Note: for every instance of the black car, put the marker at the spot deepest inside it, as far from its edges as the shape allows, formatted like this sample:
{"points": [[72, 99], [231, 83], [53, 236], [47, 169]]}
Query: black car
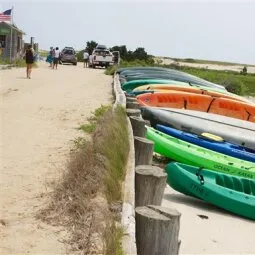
{"points": [[68, 55]]}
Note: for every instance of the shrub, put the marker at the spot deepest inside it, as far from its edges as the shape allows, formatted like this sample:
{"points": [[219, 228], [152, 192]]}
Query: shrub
{"points": [[235, 86]]}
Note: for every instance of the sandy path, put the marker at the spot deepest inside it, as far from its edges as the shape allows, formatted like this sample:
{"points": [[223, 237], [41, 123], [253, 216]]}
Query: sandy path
{"points": [[39, 118]]}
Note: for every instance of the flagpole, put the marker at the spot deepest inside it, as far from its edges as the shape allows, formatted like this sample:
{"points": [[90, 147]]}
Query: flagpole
{"points": [[11, 35]]}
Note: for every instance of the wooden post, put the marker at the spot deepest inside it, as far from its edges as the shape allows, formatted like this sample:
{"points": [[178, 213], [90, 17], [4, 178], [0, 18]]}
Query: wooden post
{"points": [[131, 99], [133, 112], [157, 230], [138, 126], [143, 151], [132, 105], [150, 183]]}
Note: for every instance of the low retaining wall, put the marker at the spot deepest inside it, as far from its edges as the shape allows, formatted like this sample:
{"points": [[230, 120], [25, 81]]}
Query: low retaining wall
{"points": [[149, 228], [128, 213]]}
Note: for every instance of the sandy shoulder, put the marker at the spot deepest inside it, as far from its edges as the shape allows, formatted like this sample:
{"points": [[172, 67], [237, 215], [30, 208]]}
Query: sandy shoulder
{"points": [[222, 233], [39, 118]]}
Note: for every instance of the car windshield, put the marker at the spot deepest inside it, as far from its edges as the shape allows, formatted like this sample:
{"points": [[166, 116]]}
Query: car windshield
{"points": [[68, 52]]}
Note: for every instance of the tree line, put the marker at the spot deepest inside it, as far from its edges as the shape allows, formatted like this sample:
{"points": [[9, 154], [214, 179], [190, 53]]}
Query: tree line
{"points": [[125, 55]]}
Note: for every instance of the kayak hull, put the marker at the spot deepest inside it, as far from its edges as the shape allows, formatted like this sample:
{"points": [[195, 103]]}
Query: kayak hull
{"points": [[236, 195], [226, 148], [191, 154], [231, 130], [198, 102]]}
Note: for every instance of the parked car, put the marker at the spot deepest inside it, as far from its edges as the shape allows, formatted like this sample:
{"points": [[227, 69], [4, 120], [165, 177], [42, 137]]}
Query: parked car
{"points": [[68, 55], [101, 47], [100, 57]]}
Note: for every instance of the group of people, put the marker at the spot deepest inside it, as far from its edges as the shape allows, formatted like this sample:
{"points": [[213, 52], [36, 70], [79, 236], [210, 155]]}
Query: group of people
{"points": [[53, 57]]}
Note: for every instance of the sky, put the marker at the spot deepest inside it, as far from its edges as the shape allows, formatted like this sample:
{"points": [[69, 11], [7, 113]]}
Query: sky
{"points": [[213, 30]]}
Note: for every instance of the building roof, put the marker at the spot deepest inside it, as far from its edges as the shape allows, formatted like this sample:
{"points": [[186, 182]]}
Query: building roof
{"points": [[12, 26]]}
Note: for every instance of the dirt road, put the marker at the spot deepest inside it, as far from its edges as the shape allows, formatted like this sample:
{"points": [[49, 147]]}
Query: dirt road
{"points": [[39, 120]]}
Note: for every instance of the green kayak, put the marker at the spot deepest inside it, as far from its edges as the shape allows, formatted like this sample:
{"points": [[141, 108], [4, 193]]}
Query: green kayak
{"points": [[234, 194], [195, 155], [130, 85]]}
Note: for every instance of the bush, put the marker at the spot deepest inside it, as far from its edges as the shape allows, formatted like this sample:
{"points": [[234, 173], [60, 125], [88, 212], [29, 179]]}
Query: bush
{"points": [[80, 56], [235, 86]]}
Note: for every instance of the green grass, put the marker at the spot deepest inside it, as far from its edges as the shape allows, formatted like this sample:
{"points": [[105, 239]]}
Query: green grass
{"points": [[113, 241], [16, 63], [94, 118], [112, 142], [43, 53], [92, 184], [225, 78], [88, 128]]}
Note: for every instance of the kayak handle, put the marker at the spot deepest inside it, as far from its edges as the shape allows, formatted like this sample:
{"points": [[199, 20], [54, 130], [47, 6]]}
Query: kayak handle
{"points": [[200, 177]]}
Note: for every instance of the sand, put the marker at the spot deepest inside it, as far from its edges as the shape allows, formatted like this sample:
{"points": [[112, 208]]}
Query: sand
{"points": [[39, 120], [236, 68], [222, 233]]}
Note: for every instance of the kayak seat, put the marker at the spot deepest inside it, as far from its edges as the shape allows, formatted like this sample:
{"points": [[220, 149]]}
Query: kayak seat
{"points": [[238, 184]]}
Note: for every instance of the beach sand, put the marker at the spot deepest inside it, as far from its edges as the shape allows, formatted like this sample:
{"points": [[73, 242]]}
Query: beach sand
{"points": [[222, 233], [39, 121]]}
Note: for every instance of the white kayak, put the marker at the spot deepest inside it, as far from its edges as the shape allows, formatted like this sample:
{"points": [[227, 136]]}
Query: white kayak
{"points": [[232, 130]]}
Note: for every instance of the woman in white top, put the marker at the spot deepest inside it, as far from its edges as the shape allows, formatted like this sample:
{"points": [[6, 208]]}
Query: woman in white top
{"points": [[56, 55]]}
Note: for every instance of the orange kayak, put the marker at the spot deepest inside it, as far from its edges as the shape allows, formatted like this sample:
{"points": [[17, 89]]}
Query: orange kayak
{"points": [[173, 87], [197, 102]]}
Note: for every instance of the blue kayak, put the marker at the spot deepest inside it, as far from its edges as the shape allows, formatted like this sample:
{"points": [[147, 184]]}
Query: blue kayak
{"points": [[223, 147]]}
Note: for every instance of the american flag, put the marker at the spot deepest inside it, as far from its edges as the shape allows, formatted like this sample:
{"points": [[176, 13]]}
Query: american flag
{"points": [[6, 16]]}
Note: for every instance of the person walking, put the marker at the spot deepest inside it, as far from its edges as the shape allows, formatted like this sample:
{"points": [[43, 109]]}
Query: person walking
{"points": [[29, 60], [85, 58], [50, 57], [56, 55]]}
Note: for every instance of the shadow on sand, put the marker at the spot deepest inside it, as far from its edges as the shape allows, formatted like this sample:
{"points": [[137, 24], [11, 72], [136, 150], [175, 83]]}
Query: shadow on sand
{"points": [[22, 78], [200, 204]]}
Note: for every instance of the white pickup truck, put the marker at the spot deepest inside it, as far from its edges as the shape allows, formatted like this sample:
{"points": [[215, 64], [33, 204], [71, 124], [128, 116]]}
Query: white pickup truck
{"points": [[101, 57]]}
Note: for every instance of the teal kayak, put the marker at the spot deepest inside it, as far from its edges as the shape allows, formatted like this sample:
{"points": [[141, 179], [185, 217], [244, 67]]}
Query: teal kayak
{"points": [[195, 155], [232, 193], [130, 85]]}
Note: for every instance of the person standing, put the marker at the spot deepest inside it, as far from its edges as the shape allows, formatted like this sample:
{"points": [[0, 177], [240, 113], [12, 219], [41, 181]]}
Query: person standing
{"points": [[56, 58], [50, 57], [29, 60], [85, 58]]}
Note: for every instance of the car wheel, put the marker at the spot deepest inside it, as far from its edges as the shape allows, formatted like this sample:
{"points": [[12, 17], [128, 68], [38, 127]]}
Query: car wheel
{"points": [[75, 64]]}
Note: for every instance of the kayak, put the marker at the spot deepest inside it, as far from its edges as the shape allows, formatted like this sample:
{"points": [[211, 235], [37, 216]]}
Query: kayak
{"points": [[231, 130], [129, 86], [165, 76], [164, 73], [234, 194], [211, 142], [204, 103], [191, 154], [192, 89]]}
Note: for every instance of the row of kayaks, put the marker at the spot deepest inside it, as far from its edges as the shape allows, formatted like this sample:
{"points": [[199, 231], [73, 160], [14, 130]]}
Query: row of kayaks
{"points": [[207, 132]]}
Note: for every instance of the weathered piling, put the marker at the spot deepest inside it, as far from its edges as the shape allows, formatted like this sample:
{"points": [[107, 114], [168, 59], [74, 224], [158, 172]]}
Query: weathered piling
{"points": [[157, 230], [150, 183], [143, 151], [138, 126]]}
